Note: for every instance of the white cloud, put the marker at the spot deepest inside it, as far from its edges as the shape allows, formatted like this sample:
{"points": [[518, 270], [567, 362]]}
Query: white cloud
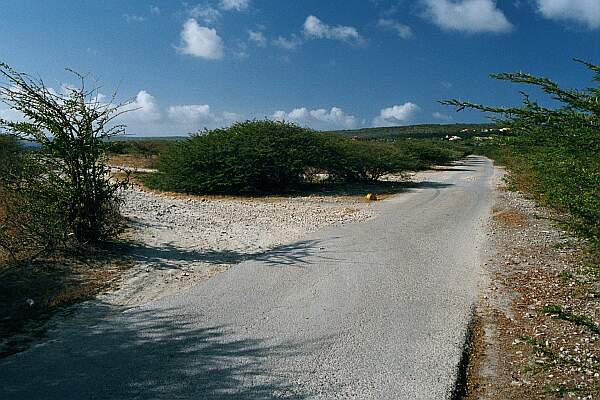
{"points": [[198, 116], [154, 10], [585, 12], [316, 29], [442, 117], [471, 16], [237, 5], [396, 115], [404, 31], [199, 41], [257, 37], [189, 114], [321, 118], [142, 109], [290, 43]]}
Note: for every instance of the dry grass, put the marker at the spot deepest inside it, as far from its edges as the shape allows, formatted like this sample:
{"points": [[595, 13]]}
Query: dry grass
{"points": [[510, 218]]}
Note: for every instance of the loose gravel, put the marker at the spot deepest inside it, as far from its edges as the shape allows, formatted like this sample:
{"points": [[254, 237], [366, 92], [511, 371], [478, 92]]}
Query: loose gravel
{"points": [[183, 240]]}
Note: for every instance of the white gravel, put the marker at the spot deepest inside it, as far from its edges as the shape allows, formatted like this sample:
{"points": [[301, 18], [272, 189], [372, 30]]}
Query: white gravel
{"points": [[181, 241]]}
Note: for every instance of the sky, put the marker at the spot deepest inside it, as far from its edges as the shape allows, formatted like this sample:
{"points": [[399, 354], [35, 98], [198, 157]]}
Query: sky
{"points": [[335, 64]]}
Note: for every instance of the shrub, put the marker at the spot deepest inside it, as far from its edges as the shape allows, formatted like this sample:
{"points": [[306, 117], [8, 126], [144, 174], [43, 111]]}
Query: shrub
{"points": [[349, 160], [62, 189], [430, 152], [32, 218], [268, 156], [248, 157]]}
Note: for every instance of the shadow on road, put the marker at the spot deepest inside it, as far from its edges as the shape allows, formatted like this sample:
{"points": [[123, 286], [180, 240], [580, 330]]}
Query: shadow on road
{"points": [[169, 256], [142, 354]]}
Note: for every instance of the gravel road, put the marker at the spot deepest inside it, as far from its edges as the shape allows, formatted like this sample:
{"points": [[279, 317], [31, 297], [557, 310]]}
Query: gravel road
{"points": [[368, 310], [181, 241]]}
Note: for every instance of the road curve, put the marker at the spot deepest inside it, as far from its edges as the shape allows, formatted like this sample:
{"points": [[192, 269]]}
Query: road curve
{"points": [[374, 310]]}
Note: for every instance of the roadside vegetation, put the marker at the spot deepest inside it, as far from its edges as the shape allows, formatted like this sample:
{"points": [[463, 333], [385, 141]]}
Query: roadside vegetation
{"points": [[268, 157], [552, 155], [58, 204], [136, 153]]}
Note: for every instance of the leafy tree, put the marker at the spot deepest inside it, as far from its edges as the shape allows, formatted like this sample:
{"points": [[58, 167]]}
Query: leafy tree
{"points": [[558, 147], [63, 189]]}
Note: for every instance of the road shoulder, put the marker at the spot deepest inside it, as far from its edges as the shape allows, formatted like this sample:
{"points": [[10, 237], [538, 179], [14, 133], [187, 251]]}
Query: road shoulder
{"points": [[536, 332]]}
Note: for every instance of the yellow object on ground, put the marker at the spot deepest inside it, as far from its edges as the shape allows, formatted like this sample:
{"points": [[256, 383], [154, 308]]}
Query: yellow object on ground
{"points": [[371, 197]]}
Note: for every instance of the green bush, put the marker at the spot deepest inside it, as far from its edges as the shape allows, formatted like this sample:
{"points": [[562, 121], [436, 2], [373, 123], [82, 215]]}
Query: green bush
{"points": [[346, 160], [433, 152], [268, 156], [63, 188], [248, 157], [32, 217], [553, 153], [10, 152]]}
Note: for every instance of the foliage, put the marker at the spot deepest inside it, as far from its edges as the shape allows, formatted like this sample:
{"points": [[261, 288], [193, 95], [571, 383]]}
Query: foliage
{"points": [[554, 152], [346, 160], [248, 157], [33, 219], [61, 190], [433, 152], [10, 151], [269, 156]]}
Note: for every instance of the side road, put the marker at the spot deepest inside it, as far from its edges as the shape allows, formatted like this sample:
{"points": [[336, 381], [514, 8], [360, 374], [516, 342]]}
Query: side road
{"points": [[370, 310]]}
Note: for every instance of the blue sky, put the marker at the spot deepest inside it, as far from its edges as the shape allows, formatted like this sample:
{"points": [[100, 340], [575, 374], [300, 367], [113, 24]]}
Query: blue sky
{"points": [[325, 64]]}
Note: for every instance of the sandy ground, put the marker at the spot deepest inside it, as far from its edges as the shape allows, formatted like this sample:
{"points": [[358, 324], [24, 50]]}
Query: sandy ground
{"points": [[521, 350], [180, 241]]}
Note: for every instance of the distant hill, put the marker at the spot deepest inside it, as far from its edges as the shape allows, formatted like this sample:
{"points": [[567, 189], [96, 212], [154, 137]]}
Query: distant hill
{"points": [[425, 131]]}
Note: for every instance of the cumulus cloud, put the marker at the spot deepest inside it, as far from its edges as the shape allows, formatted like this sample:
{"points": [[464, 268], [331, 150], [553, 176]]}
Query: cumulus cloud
{"points": [[8, 114], [200, 41], [404, 31], [321, 118], [314, 28], [198, 116], [396, 115], [257, 37], [188, 114], [237, 5], [585, 12], [471, 16], [142, 109]]}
